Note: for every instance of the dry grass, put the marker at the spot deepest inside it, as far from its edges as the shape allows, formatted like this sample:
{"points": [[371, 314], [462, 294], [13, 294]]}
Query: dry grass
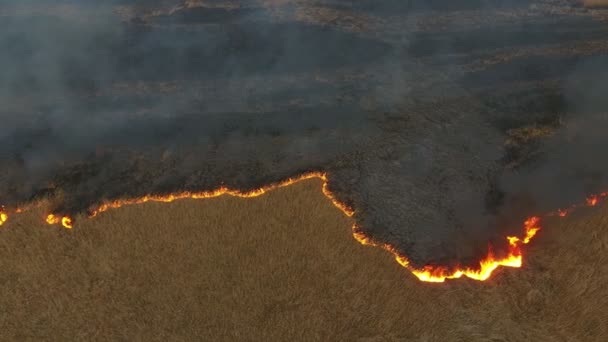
{"points": [[282, 267], [595, 3]]}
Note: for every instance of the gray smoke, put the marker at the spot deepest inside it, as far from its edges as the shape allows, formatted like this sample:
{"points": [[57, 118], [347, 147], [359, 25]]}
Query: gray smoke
{"points": [[415, 108], [571, 162]]}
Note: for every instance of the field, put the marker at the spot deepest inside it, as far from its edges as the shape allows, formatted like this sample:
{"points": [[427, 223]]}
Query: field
{"points": [[595, 3], [439, 114], [282, 267], [444, 124]]}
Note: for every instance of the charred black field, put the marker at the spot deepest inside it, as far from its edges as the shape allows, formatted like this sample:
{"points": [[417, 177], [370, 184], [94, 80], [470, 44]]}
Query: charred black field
{"points": [[443, 124]]}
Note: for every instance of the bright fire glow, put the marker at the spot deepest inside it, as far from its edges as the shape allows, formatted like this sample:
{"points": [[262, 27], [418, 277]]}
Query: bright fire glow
{"points": [[65, 221], [438, 274], [429, 273], [3, 217], [225, 191]]}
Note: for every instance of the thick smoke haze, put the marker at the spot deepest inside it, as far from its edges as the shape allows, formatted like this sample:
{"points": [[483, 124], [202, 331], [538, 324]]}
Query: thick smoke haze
{"points": [[570, 162], [443, 123]]}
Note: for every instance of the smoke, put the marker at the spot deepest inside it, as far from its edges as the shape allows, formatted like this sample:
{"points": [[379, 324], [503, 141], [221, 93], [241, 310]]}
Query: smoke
{"points": [[407, 105], [571, 162], [81, 83]]}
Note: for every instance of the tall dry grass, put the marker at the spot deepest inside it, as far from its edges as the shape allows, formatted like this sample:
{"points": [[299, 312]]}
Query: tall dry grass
{"points": [[595, 3], [282, 267]]}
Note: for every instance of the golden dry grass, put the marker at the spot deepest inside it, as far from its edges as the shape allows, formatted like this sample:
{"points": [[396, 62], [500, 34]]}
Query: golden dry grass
{"points": [[282, 267], [595, 3]]}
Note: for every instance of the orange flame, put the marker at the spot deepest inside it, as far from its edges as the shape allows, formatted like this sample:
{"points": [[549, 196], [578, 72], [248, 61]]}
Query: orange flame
{"points": [[3, 217], [438, 274], [65, 221], [225, 191], [429, 273], [591, 201]]}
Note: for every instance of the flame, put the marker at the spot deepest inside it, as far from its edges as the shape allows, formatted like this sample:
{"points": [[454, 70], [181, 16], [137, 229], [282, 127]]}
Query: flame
{"points": [[225, 191], [65, 221], [428, 273], [438, 274], [3, 217], [591, 201]]}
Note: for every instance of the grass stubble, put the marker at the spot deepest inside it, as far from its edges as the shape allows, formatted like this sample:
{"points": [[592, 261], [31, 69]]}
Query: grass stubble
{"points": [[282, 267]]}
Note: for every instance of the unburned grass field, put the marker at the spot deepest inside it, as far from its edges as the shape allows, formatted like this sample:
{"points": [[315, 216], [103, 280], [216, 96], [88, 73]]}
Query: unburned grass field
{"points": [[282, 267]]}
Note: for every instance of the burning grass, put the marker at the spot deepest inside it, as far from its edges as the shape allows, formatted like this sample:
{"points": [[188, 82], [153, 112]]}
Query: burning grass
{"points": [[428, 273], [283, 266]]}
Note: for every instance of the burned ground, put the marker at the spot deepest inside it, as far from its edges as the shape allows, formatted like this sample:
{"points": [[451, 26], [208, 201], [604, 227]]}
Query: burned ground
{"points": [[443, 126]]}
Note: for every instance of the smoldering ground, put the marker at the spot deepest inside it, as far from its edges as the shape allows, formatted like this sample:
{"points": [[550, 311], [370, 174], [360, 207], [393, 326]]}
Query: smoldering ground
{"points": [[424, 114]]}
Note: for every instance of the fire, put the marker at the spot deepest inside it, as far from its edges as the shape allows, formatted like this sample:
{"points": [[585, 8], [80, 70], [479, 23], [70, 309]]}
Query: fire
{"points": [[590, 201], [3, 217], [438, 274], [428, 273], [65, 221], [225, 191]]}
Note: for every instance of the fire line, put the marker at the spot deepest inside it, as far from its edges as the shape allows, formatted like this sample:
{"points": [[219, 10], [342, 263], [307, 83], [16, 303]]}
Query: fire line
{"points": [[429, 273]]}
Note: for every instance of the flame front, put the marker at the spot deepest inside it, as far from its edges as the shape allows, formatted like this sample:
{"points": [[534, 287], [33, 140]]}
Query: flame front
{"points": [[429, 273], [488, 264], [438, 274], [225, 191]]}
